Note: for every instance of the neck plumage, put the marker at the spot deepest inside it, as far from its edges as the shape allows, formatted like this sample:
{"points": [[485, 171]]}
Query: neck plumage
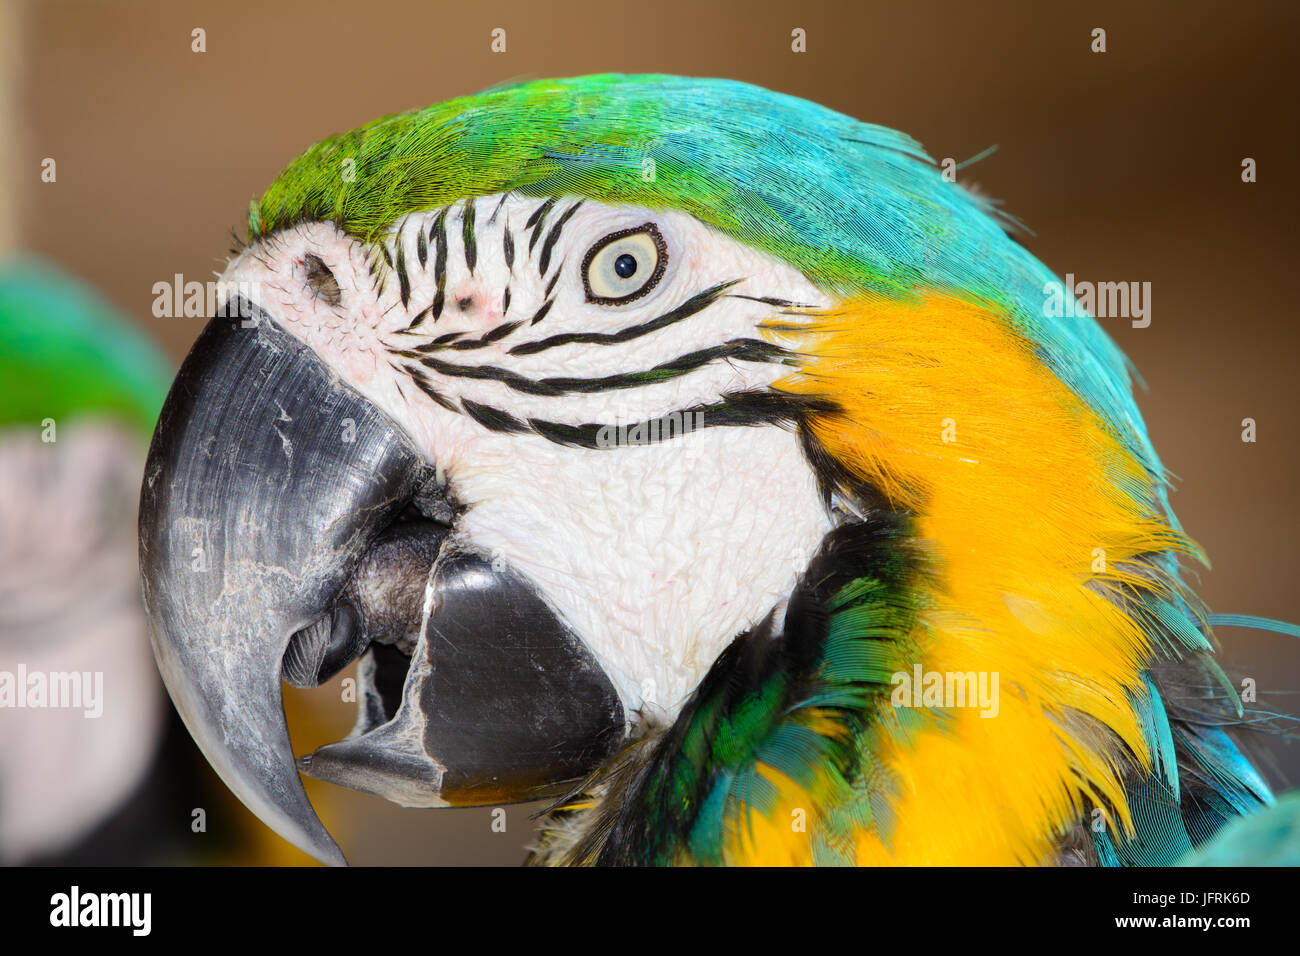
{"points": [[770, 742]]}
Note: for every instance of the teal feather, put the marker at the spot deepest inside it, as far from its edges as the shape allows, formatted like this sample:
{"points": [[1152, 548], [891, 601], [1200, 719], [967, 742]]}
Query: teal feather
{"points": [[1256, 623], [1201, 782], [1159, 735], [1160, 836], [1269, 838]]}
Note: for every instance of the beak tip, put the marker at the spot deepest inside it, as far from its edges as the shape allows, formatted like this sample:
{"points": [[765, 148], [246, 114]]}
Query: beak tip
{"points": [[310, 836], [330, 855]]}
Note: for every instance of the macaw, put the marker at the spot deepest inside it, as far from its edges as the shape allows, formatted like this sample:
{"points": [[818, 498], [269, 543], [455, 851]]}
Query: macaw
{"points": [[101, 772], [81, 779], [701, 460]]}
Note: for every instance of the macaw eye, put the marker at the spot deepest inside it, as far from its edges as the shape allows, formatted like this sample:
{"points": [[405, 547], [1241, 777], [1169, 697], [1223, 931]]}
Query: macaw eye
{"points": [[625, 265]]}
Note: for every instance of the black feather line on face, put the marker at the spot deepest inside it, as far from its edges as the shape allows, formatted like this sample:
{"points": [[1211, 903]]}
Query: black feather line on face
{"points": [[508, 241], [422, 382], [493, 218], [422, 249], [768, 300], [493, 419], [438, 233], [436, 345], [541, 313], [468, 236], [834, 480], [737, 409], [500, 332], [486, 373], [400, 390], [743, 350], [446, 342], [403, 281], [696, 303], [419, 318], [537, 221], [539, 212], [544, 262]]}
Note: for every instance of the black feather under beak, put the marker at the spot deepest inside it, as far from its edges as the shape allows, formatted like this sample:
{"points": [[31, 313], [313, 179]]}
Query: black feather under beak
{"points": [[289, 527]]}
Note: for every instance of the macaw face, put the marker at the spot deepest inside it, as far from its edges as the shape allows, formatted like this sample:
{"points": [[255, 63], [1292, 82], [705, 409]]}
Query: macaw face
{"points": [[525, 464]]}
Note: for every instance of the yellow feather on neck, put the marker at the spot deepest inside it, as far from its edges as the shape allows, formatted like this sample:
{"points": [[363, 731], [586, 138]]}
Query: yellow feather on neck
{"points": [[1031, 515]]}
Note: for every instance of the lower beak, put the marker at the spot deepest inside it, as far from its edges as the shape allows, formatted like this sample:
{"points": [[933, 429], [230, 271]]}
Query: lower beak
{"points": [[282, 536]]}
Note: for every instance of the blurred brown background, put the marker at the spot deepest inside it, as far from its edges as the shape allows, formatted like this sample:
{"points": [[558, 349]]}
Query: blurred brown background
{"points": [[1127, 166]]}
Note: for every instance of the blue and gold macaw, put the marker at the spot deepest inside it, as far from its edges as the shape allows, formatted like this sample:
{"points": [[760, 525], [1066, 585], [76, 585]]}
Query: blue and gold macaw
{"points": [[698, 458]]}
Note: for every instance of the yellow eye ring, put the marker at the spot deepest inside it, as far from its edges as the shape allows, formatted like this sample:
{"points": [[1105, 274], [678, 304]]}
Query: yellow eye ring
{"points": [[625, 265]]}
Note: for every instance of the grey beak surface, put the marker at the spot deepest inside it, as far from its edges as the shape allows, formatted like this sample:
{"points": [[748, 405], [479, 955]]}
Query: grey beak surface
{"points": [[266, 481]]}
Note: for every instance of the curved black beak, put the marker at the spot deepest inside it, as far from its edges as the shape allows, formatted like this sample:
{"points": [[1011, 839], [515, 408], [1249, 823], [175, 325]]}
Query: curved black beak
{"points": [[282, 537]]}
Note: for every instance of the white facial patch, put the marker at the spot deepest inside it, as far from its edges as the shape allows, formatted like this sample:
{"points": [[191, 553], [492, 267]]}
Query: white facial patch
{"points": [[530, 347]]}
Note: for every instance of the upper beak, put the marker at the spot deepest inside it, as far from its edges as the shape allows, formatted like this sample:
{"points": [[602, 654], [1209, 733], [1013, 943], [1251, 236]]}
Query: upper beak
{"points": [[271, 548]]}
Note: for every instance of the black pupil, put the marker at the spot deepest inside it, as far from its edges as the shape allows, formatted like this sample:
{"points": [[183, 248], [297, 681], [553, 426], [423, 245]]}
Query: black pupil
{"points": [[625, 265]]}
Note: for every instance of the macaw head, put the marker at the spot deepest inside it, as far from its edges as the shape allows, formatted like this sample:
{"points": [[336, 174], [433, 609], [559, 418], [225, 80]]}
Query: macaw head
{"points": [[533, 401]]}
